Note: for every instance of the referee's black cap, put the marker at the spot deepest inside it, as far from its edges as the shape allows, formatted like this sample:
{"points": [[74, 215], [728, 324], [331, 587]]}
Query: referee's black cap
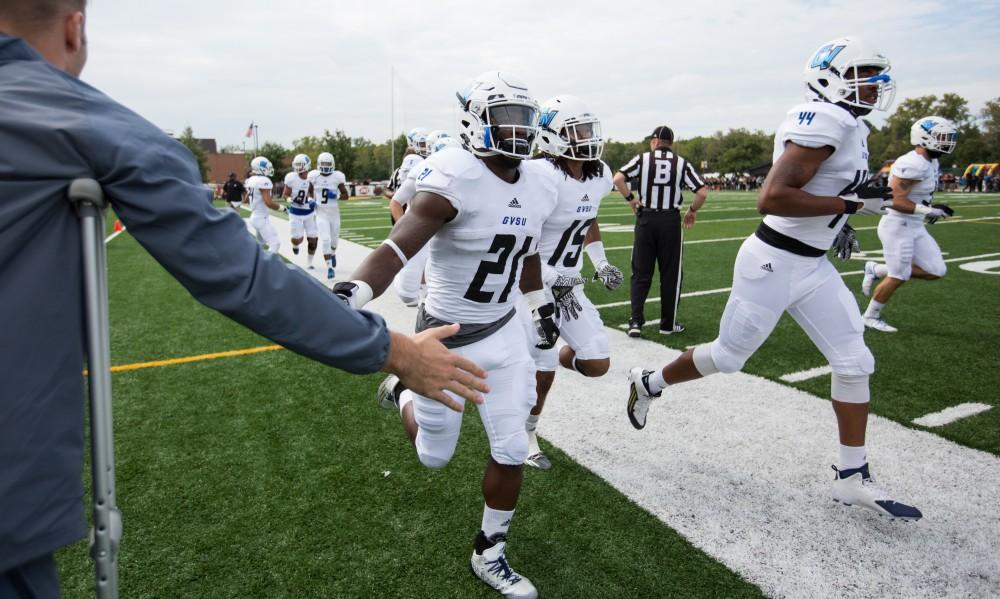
{"points": [[662, 132]]}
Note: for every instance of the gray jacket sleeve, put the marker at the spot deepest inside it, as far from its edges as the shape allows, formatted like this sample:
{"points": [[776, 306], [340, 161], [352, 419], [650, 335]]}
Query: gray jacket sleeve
{"points": [[154, 186]]}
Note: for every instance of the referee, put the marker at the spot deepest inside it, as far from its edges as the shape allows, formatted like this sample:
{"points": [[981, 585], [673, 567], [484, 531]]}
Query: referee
{"points": [[659, 174]]}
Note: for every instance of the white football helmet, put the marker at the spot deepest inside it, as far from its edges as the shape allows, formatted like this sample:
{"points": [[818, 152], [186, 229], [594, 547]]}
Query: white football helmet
{"points": [[567, 128], [499, 116], [433, 136], [416, 139], [445, 142], [935, 133], [325, 163], [301, 163], [833, 74], [261, 166]]}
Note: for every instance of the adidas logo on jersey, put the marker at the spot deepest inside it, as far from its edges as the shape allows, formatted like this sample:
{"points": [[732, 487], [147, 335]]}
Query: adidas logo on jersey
{"points": [[767, 267], [514, 204], [586, 198]]}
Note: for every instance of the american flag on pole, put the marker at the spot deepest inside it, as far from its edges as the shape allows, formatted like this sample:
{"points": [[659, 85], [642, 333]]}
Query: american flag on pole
{"points": [[249, 132]]}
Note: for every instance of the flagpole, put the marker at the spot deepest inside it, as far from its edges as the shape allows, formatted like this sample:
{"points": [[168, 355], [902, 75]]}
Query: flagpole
{"points": [[256, 148], [392, 119]]}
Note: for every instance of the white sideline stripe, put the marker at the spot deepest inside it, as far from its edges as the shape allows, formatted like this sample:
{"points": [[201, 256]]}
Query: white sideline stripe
{"points": [[704, 466], [949, 415], [805, 375], [113, 235], [726, 289]]}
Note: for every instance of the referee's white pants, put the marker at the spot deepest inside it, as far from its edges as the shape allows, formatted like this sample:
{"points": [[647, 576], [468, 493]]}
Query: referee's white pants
{"points": [[768, 281], [262, 223]]}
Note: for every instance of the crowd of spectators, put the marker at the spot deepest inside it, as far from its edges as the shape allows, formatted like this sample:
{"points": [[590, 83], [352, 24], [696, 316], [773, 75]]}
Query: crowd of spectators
{"points": [[733, 182]]}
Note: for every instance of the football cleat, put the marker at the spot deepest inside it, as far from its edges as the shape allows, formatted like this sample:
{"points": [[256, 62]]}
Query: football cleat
{"points": [[870, 278], [388, 393], [639, 396], [538, 460], [329, 273], [857, 487], [879, 325], [295, 250], [634, 329], [489, 564], [678, 328]]}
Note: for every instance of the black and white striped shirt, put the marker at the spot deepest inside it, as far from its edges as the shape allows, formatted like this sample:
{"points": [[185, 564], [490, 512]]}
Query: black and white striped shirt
{"points": [[659, 185]]}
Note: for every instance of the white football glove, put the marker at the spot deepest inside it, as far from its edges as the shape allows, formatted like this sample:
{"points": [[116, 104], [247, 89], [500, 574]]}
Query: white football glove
{"points": [[610, 276], [565, 300]]}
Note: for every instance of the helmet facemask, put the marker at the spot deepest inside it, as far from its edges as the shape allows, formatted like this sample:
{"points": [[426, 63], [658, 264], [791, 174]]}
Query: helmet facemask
{"points": [[580, 139], [510, 129], [937, 135], [301, 164]]}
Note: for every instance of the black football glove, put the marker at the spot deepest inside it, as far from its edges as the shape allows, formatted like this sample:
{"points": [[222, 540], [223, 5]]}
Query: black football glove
{"points": [[938, 211], [846, 243], [565, 300], [873, 200], [545, 326]]}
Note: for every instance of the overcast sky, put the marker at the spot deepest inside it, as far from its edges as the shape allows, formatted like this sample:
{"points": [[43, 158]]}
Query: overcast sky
{"points": [[297, 68]]}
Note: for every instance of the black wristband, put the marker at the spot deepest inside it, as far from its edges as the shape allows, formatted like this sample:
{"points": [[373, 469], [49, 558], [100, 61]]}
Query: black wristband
{"points": [[630, 197], [851, 207]]}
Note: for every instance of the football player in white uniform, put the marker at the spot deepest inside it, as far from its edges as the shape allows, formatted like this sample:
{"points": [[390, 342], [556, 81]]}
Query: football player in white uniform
{"points": [[818, 179], [259, 187], [302, 207], [569, 136], [909, 249], [329, 188], [481, 211], [408, 282]]}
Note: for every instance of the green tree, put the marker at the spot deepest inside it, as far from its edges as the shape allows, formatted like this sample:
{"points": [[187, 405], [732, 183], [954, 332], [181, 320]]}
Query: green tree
{"points": [[893, 140], [188, 139], [280, 157]]}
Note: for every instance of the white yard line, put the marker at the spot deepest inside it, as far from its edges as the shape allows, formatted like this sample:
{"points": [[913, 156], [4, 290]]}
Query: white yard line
{"points": [[949, 415], [805, 375], [113, 235]]}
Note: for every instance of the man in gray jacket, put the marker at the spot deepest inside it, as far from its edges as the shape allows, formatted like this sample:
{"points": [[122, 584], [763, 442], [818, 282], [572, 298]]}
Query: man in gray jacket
{"points": [[53, 129]]}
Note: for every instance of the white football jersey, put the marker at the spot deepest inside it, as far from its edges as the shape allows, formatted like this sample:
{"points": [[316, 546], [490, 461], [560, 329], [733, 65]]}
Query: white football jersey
{"points": [[410, 161], [254, 185], [326, 189], [563, 232], [916, 167], [475, 260], [408, 186], [814, 125], [299, 189]]}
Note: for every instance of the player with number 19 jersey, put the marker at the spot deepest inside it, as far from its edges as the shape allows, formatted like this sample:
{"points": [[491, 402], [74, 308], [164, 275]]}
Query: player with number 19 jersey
{"points": [[815, 125], [475, 260]]}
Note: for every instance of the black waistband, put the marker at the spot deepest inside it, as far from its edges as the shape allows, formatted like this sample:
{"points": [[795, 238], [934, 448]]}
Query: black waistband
{"points": [[644, 209], [784, 242]]}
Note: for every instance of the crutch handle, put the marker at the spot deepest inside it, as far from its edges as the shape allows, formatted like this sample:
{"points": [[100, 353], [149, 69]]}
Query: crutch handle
{"points": [[87, 191]]}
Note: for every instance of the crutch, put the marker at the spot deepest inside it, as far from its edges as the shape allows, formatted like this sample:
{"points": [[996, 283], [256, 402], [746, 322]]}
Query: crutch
{"points": [[88, 200]]}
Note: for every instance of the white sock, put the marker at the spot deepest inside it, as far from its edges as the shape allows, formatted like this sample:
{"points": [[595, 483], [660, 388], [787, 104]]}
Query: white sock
{"points": [[656, 382], [309, 259], [496, 521], [404, 398], [530, 425], [874, 309], [532, 422], [881, 271], [852, 457], [329, 262]]}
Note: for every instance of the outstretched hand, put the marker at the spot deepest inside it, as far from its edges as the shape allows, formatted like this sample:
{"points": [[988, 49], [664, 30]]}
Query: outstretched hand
{"points": [[424, 365]]}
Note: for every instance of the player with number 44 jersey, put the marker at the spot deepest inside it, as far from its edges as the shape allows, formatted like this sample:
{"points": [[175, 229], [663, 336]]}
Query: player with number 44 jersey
{"points": [[819, 177]]}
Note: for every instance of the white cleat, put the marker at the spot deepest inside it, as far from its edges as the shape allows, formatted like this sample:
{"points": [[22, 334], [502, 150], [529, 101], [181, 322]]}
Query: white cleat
{"points": [[879, 325], [870, 278], [639, 396], [489, 564], [857, 487], [388, 393], [538, 460]]}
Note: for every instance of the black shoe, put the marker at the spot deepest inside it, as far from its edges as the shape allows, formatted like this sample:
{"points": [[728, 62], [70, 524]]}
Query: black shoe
{"points": [[634, 329]]}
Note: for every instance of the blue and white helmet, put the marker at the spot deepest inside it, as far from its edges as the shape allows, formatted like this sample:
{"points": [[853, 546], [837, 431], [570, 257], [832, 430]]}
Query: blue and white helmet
{"points": [[935, 133], [261, 166], [301, 163], [833, 74], [499, 116], [416, 139], [325, 163], [445, 142], [567, 128]]}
